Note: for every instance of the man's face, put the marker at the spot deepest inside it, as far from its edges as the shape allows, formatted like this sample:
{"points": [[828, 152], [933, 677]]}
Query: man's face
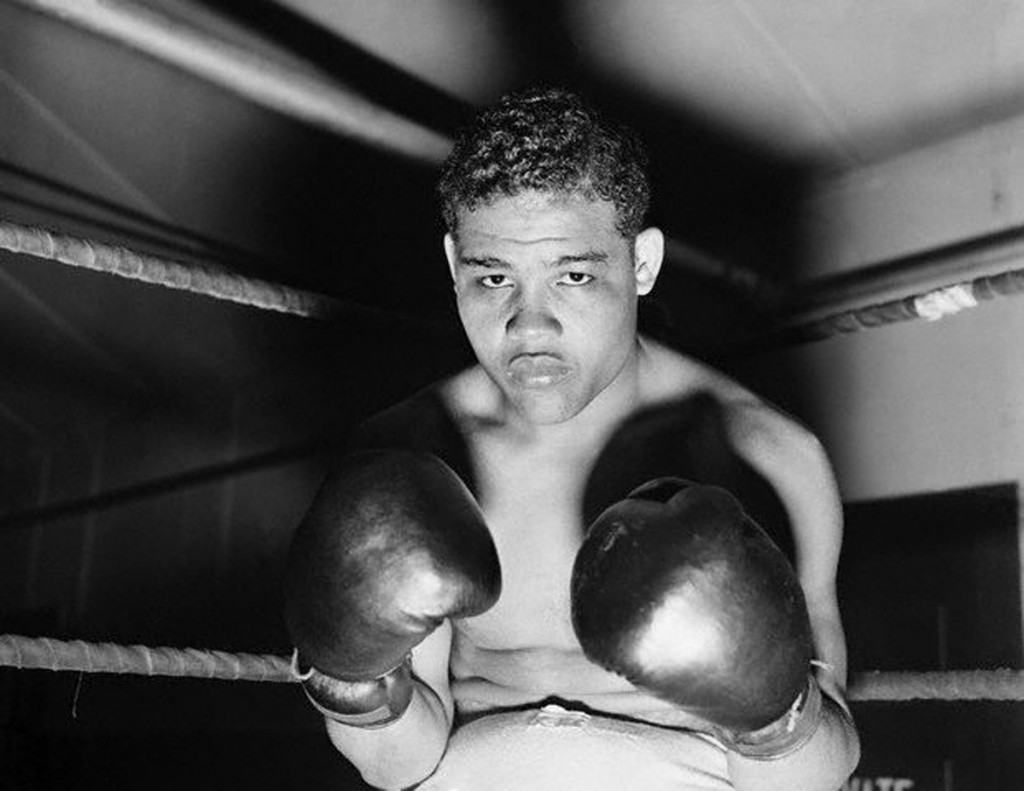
{"points": [[547, 291]]}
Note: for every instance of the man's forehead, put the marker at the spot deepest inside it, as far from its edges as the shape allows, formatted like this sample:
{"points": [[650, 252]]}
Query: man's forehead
{"points": [[537, 217]]}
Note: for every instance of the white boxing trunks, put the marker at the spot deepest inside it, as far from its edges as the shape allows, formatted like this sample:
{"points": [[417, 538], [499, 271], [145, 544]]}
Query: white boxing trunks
{"points": [[552, 749]]}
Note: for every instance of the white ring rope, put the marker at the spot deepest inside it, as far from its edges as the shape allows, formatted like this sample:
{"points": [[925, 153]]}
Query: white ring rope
{"points": [[44, 653], [208, 280], [931, 306]]}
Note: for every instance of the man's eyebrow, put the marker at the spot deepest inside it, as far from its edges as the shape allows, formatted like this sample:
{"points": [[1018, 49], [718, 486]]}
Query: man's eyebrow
{"points": [[588, 257], [486, 261]]}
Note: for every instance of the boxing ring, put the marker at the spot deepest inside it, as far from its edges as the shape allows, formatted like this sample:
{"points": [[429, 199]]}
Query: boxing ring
{"points": [[46, 653], [339, 111]]}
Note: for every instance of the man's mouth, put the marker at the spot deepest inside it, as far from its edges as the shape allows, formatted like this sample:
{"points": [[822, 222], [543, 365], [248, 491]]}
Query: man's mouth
{"points": [[537, 370]]}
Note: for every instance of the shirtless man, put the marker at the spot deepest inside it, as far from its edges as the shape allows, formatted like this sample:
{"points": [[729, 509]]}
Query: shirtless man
{"points": [[444, 656]]}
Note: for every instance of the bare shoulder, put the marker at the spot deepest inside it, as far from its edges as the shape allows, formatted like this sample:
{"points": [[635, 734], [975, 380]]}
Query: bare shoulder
{"points": [[395, 425], [431, 420], [671, 375], [472, 395]]}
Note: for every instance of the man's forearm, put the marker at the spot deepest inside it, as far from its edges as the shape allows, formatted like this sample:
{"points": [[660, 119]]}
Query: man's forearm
{"points": [[403, 752], [829, 638]]}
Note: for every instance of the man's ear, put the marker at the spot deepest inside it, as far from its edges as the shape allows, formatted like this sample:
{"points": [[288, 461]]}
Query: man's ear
{"points": [[450, 254], [648, 252]]}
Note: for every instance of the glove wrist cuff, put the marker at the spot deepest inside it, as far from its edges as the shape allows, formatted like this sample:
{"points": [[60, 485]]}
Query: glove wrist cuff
{"points": [[788, 733], [370, 703]]}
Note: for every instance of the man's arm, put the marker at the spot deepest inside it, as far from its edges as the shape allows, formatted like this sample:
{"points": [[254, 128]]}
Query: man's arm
{"points": [[792, 459], [406, 751]]}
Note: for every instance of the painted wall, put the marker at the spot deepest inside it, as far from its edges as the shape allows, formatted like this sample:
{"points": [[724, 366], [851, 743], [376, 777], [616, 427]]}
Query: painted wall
{"points": [[958, 189], [919, 406], [924, 407]]}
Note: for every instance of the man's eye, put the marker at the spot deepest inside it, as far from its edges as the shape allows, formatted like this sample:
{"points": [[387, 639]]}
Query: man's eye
{"points": [[575, 278], [495, 281]]}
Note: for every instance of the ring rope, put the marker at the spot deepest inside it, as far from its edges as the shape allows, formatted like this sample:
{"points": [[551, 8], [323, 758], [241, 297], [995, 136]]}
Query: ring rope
{"points": [[96, 211], [44, 653], [930, 305], [208, 280], [948, 685], [219, 283]]}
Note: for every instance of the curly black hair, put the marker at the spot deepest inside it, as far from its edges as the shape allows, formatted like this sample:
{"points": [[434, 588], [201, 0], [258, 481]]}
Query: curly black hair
{"points": [[550, 140]]}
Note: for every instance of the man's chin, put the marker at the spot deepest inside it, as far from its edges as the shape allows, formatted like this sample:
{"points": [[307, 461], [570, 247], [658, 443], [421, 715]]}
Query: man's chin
{"points": [[545, 408]]}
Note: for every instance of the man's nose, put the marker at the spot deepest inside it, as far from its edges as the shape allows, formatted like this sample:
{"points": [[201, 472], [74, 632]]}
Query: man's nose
{"points": [[532, 314]]}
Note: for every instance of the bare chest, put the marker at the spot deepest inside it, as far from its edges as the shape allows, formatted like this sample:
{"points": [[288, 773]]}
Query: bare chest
{"points": [[532, 503]]}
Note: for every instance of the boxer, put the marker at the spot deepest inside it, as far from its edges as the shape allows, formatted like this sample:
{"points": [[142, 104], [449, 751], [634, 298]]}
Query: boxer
{"points": [[482, 597]]}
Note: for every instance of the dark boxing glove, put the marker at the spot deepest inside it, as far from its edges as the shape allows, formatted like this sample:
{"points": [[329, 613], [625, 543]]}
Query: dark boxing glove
{"points": [[393, 544], [678, 590]]}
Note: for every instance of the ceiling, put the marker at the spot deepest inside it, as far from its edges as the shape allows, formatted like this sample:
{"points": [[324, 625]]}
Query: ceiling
{"points": [[839, 81], [744, 103]]}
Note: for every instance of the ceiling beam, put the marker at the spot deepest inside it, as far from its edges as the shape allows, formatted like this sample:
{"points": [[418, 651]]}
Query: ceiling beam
{"points": [[278, 86]]}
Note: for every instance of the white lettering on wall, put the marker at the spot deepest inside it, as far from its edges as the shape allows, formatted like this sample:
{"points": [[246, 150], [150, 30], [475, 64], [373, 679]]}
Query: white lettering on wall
{"points": [[878, 784]]}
